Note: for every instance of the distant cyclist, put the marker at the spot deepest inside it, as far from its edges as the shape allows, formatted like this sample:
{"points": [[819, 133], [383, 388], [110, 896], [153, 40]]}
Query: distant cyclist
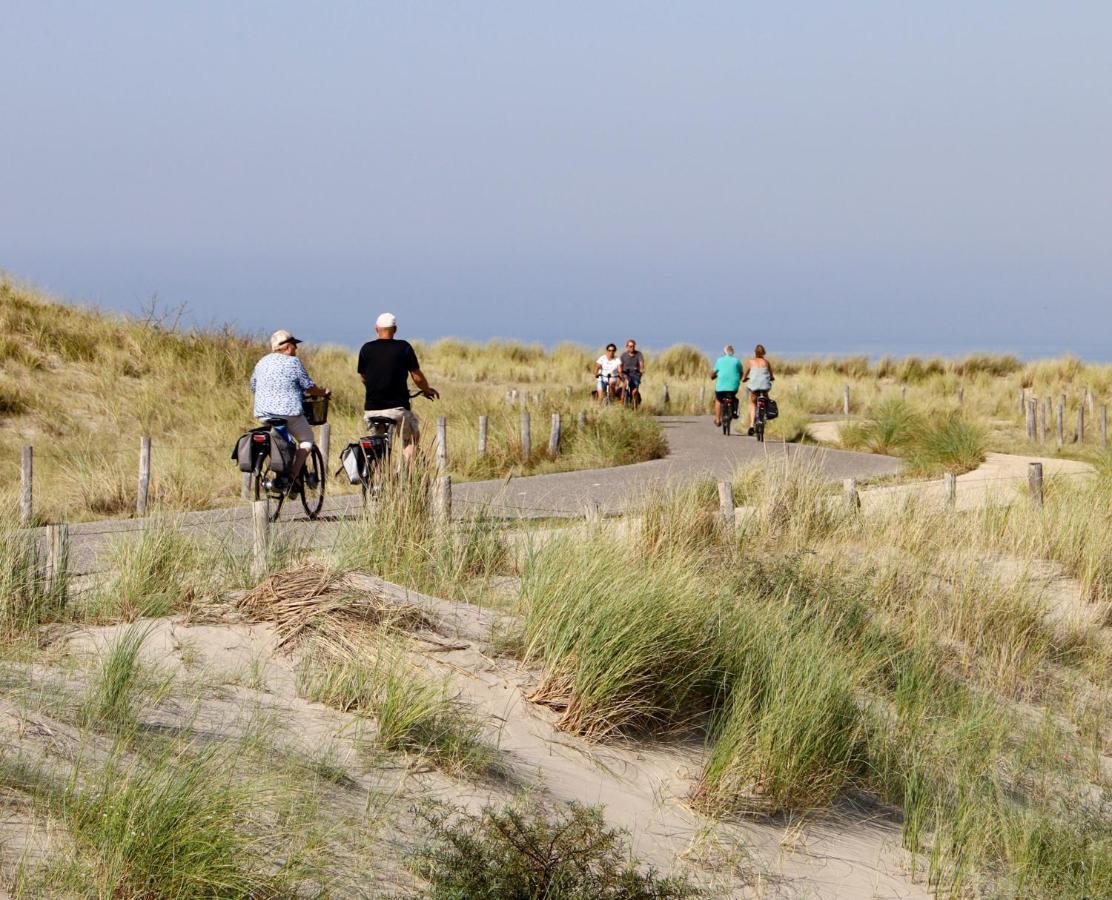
{"points": [[386, 365], [727, 382], [633, 370], [758, 378], [607, 368], [280, 383]]}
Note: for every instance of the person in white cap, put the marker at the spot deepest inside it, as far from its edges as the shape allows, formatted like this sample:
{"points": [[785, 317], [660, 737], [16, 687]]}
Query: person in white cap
{"points": [[386, 365], [280, 383]]}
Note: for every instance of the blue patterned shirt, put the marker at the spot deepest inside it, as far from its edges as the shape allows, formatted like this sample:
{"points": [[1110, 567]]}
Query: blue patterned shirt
{"points": [[279, 381]]}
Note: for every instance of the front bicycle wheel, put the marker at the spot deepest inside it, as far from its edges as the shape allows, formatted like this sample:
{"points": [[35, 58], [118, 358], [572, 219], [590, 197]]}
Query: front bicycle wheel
{"points": [[274, 499], [312, 483]]}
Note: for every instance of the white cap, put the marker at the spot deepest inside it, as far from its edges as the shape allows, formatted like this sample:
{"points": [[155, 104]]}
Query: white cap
{"points": [[282, 337], [386, 320]]}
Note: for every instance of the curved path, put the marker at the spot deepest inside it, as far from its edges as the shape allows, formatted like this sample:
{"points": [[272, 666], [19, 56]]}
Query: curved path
{"points": [[695, 448]]}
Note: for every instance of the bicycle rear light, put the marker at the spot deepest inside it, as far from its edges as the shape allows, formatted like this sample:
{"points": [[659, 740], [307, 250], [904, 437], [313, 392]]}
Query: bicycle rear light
{"points": [[260, 438]]}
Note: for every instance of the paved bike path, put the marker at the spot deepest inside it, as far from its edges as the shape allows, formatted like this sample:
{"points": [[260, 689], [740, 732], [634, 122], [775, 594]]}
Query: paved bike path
{"points": [[696, 449]]}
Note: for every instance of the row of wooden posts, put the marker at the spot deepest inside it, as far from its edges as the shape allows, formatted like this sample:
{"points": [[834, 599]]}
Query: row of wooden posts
{"points": [[852, 495], [142, 497], [1039, 414]]}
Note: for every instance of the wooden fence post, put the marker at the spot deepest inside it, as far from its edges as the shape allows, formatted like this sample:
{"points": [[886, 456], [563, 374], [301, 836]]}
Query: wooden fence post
{"points": [[666, 399], [26, 491], [260, 533], [849, 488], [484, 424], [726, 502], [554, 435], [325, 443], [526, 436], [441, 444], [1035, 482], [1040, 417], [950, 482], [591, 511], [1081, 424], [442, 502], [582, 421], [144, 476], [1061, 421], [1030, 417], [1104, 426], [57, 559], [845, 401]]}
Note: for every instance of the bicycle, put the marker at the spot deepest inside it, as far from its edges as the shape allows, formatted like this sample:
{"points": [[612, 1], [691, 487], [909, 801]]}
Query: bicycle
{"points": [[727, 413], [631, 393], [309, 483], [761, 416], [602, 385], [375, 449]]}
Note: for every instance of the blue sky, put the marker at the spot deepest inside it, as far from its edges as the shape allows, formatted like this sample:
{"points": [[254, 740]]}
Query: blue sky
{"points": [[822, 177]]}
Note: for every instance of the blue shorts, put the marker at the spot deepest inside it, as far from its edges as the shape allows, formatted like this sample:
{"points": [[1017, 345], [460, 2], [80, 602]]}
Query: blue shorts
{"points": [[724, 395], [634, 379]]}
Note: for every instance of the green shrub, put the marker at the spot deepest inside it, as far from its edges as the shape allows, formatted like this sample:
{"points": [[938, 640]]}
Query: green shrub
{"points": [[950, 444], [532, 852], [682, 361]]}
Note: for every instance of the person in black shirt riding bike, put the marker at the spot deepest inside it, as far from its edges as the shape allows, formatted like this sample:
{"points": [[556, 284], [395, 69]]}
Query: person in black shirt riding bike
{"points": [[386, 365]]}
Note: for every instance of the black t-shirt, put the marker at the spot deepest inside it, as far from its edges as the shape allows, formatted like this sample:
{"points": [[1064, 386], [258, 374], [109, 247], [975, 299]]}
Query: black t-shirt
{"points": [[385, 367], [631, 362]]}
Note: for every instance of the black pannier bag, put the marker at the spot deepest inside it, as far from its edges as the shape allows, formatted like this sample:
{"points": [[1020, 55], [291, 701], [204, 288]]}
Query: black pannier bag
{"points": [[281, 453], [250, 447], [771, 409]]}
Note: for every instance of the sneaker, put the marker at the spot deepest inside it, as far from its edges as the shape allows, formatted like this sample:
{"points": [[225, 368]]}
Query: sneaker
{"points": [[752, 431], [717, 424]]}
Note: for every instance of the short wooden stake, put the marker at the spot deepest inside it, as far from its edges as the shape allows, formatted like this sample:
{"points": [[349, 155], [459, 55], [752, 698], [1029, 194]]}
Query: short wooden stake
{"points": [[950, 481], [144, 476], [1035, 482], [1060, 422], [592, 512], [666, 399], [57, 559], [484, 424], [554, 435], [441, 444], [526, 436], [325, 442], [1081, 424], [853, 499], [726, 502], [1104, 427], [26, 491], [845, 401], [1030, 420], [442, 501], [1040, 415], [260, 532], [582, 420]]}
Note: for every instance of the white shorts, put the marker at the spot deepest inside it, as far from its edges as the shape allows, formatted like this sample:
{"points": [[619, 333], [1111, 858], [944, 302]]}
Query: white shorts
{"points": [[407, 422], [299, 428]]}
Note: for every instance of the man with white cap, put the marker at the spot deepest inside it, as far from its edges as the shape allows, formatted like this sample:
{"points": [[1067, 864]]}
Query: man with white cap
{"points": [[385, 365], [280, 383]]}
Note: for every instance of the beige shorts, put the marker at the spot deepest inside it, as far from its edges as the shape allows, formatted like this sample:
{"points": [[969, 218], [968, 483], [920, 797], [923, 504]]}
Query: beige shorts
{"points": [[407, 422], [300, 430]]}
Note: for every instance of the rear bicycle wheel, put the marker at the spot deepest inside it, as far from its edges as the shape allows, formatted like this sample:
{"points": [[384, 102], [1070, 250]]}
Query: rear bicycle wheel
{"points": [[312, 483], [273, 499], [727, 416], [759, 424]]}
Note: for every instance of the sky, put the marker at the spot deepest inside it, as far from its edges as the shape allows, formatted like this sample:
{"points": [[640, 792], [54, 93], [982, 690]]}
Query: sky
{"points": [[823, 177]]}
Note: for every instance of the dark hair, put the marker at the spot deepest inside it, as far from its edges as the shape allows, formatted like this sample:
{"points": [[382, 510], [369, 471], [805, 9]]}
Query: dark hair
{"points": [[760, 351], [613, 347]]}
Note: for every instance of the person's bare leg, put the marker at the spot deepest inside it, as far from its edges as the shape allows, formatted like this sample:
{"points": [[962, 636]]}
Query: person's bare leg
{"points": [[299, 458], [717, 412], [752, 409]]}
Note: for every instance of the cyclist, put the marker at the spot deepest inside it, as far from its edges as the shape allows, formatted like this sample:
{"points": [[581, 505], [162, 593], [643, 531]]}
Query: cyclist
{"points": [[279, 384], [607, 368], [633, 370], [385, 365], [758, 378], [727, 382]]}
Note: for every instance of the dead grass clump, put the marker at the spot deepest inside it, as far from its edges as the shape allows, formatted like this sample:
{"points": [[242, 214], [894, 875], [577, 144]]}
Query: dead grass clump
{"points": [[307, 598]]}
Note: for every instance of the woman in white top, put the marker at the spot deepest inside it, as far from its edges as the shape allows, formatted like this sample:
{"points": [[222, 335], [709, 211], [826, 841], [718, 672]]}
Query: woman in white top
{"points": [[607, 373]]}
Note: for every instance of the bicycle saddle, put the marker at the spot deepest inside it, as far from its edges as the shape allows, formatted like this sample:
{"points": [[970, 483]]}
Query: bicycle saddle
{"points": [[274, 421]]}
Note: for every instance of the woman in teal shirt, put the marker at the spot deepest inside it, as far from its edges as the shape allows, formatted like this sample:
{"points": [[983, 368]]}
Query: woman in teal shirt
{"points": [[727, 382]]}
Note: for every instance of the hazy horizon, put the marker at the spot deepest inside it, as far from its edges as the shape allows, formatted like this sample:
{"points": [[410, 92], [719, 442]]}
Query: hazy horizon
{"points": [[826, 180]]}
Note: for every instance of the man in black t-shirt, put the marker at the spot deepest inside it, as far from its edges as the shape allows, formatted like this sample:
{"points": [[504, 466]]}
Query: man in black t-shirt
{"points": [[385, 365]]}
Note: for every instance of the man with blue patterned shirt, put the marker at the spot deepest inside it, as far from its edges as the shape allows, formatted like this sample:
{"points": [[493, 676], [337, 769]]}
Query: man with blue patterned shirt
{"points": [[280, 383]]}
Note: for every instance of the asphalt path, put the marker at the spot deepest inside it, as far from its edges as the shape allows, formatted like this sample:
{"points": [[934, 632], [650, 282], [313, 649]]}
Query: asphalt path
{"points": [[696, 449]]}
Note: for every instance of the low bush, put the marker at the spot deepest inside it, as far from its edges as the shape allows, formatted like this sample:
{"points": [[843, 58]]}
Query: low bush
{"points": [[530, 851]]}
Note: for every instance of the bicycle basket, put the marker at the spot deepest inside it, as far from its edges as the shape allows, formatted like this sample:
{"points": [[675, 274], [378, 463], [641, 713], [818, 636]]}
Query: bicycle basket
{"points": [[316, 410]]}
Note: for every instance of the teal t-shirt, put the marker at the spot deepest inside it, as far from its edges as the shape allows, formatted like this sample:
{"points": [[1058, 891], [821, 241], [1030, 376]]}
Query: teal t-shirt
{"points": [[728, 370]]}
